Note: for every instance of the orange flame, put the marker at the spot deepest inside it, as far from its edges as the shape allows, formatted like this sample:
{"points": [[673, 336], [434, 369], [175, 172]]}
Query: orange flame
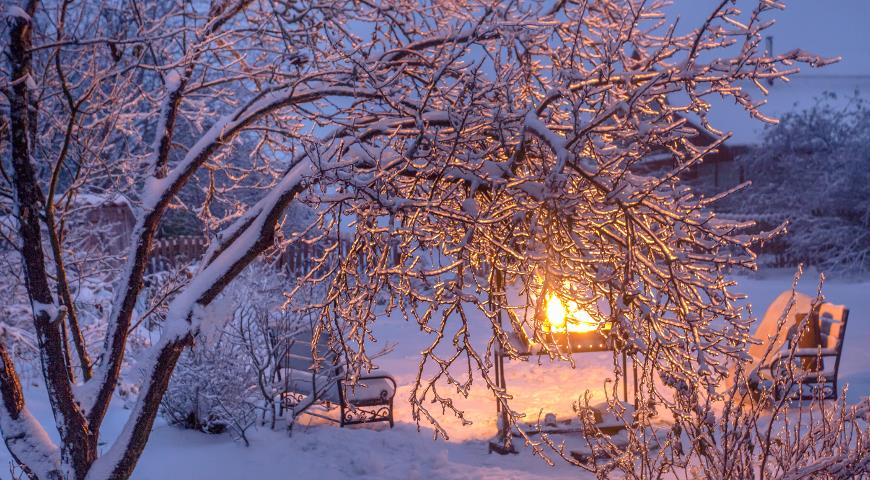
{"points": [[570, 318]]}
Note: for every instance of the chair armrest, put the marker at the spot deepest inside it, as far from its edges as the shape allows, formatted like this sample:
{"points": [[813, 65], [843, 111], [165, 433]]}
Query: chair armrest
{"points": [[381, 377], [388, 378], [814, 352]]}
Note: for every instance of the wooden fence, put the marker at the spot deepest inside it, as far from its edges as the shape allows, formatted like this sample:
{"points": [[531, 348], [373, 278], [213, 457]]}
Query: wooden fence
{"points": [[170, 253], [296, 260]]}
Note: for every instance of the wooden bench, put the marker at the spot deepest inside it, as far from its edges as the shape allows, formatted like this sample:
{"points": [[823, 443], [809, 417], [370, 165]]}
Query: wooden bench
{"points": [[308, 383], [821, 376]]}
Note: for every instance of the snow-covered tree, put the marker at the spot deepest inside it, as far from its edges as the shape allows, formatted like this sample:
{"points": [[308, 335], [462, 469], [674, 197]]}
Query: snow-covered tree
{"points": [[457, 141], [813, 171]]}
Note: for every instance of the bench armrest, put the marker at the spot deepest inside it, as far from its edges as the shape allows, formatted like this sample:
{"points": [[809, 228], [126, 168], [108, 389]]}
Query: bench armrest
{"points": [[800, 353], [804, 353]]}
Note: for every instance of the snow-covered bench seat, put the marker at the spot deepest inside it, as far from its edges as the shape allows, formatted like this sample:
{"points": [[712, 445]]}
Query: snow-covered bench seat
{"points": [[821, 376], [370, 399]]}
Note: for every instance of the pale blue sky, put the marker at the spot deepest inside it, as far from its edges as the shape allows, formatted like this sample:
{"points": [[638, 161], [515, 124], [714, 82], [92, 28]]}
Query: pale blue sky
{"points": [[825, 27]]}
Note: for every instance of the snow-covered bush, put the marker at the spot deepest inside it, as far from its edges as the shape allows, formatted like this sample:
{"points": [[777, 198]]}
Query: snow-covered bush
{"points": [[752, 425], [213, 390], [16, 331], [92, 296], [813, 170], [229, 379]]}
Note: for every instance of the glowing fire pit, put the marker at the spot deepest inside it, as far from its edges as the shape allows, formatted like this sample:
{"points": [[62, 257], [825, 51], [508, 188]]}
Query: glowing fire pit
{"points": [[565, 326], [571, 328]]}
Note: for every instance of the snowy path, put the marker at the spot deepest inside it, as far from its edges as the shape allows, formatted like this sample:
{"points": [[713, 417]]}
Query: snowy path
{"points": [[325, 452]]}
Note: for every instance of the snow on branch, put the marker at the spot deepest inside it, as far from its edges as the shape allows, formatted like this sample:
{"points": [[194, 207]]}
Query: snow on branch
{"points": [[454, 164]]}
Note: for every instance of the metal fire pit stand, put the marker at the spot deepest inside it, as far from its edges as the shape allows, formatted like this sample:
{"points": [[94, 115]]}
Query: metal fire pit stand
{"points": [[503, 443]]}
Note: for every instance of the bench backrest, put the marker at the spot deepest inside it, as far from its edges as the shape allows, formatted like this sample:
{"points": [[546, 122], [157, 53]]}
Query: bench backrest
{"points": [[832, 320]]}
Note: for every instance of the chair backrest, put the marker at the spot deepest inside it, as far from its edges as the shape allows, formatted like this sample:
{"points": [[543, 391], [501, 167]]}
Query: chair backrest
{"points": [[832, 323], [299, 355]]}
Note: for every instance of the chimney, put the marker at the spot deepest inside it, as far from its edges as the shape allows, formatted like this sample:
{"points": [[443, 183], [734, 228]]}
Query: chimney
{"points": [[768, 52]]}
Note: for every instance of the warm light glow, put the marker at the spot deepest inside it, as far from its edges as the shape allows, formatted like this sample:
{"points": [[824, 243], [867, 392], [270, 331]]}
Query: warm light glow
{"points": [[556, 313], [571, 318]]}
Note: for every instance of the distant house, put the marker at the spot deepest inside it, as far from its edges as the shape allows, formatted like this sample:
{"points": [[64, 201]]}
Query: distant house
{"points": [[103, 222], [719, 169], [829, 29], [803, 91], [98, 228]]}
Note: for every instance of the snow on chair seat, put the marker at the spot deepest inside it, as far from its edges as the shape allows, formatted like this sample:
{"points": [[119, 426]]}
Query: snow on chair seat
{"points": [[369, 390], [822, 376], [309, 382]]}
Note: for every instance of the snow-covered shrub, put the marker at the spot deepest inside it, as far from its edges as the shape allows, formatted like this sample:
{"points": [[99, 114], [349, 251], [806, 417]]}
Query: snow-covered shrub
{"points": [[813, 170], [229, 378], [778, 425], [751, 426], [212, 390], [91, 295]]}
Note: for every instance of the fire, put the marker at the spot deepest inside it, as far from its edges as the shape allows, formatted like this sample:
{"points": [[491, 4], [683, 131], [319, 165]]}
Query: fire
{"points": [[556, 313], [570, 318]]}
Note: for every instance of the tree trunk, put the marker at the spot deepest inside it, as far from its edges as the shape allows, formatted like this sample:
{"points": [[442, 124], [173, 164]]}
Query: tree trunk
{"points": [[156, 387], [78, 443]]}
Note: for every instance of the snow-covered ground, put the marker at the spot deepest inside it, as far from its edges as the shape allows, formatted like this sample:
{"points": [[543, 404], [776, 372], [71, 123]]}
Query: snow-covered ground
{"points": [[325, 452]]}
